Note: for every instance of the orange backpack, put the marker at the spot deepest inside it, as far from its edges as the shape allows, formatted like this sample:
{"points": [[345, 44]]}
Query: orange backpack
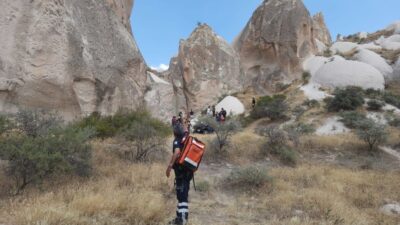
{"points": [[192, 153]]}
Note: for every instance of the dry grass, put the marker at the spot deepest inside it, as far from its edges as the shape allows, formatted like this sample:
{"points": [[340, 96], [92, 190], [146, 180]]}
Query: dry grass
{"points": [[119, 193], [305, 195]]}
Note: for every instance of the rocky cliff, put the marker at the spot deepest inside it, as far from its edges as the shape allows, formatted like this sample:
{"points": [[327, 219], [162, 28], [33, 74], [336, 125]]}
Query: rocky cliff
{"points": [[72, 56], [205, 69], [321, 31], [277, 38]]}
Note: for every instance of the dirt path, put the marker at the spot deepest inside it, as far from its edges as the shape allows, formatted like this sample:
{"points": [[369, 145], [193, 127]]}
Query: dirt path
{"points": [[391, 151]]}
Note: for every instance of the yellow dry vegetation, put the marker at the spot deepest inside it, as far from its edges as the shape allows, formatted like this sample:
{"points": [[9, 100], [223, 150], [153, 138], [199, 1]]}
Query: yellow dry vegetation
{"points": [[306, 195], [119, 193]]}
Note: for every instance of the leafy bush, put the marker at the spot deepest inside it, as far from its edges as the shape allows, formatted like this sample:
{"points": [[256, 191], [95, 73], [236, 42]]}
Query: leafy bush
{"points": [[223, 131], [373, 93], [375, 105], [392, 99], [288, 156], [249, 178], [110, 126], [274, 107], [277, 144], [349, 98], [371, 133], [36, 123], [352, 119], [295, 131], [32, 159]]}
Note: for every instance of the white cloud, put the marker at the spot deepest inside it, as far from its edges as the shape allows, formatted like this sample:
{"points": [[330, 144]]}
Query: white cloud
{"points": [[160, 68]]}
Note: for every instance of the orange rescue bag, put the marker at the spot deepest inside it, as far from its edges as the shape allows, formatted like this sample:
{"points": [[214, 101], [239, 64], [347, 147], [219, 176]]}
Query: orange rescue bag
{"points": [[192, 153]]}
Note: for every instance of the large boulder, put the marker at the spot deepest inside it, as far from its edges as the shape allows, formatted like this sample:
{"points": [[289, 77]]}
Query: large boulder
{"points": [[396, 70], [206, 68], [342, 73], [274, 42], [321, 31], [375, 60], [75, 57]]}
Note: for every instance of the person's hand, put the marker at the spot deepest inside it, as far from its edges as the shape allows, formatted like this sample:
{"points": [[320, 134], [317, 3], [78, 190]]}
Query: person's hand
{"points": [[168, 172]]}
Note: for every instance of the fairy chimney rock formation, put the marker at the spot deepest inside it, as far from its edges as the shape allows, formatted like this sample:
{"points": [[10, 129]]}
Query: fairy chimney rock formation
{"points": [[321, 31], [277, 38], [75, 57], [206, 68]]}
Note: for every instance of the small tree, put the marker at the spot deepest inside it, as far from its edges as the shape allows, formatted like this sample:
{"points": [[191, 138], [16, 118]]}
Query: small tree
{"points": [[144, 139], [223, 131], [371, 133]]}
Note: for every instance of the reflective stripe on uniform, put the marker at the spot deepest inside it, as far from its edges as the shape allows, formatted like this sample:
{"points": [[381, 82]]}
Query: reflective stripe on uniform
{"points": [[191, 162]]}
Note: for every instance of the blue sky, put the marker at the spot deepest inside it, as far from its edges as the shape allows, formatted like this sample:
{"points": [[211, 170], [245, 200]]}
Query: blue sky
{"points": [[158, 25]]}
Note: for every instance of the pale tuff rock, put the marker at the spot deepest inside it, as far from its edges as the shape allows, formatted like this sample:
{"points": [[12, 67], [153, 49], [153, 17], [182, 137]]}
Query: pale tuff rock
{"points": [[277, 38], [232, 105], [321, 31], [342, 73], [396, 70], [343, 47], [376, 61], [391, 209], [123, 9], [390, 43], [206, 68], [75, 57]]}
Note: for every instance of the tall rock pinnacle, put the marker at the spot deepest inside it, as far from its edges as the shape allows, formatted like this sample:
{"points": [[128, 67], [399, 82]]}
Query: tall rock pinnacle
{"points": [[272, 45]]}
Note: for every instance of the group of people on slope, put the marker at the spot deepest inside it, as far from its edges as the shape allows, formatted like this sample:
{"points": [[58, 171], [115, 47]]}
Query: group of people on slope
{"points": [[219, 116]]}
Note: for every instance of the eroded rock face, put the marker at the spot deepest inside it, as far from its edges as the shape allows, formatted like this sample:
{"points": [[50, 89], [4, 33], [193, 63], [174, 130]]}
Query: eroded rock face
{"points": [[278, 37], [206, 68], [321, 31], [72, 56]]}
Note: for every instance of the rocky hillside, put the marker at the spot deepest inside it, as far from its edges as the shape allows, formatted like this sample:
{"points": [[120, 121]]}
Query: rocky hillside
{"points": [[74, 56]]}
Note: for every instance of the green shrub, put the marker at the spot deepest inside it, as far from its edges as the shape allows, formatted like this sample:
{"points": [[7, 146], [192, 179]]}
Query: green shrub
{"points": [[306, 77], [277, 144], [351, 119], [274, 107], [223, 131], [349, 98], [311, 103], [372, 133], [32, 159], [288, 156], [110, 126], [248, 179], [375, 105], [36, 123], [392, 99], [373, 93]]}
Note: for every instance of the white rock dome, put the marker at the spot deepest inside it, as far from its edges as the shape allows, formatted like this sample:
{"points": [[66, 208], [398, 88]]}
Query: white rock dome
{"points": [[232, 105], [349, 73], [376, 61]]}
